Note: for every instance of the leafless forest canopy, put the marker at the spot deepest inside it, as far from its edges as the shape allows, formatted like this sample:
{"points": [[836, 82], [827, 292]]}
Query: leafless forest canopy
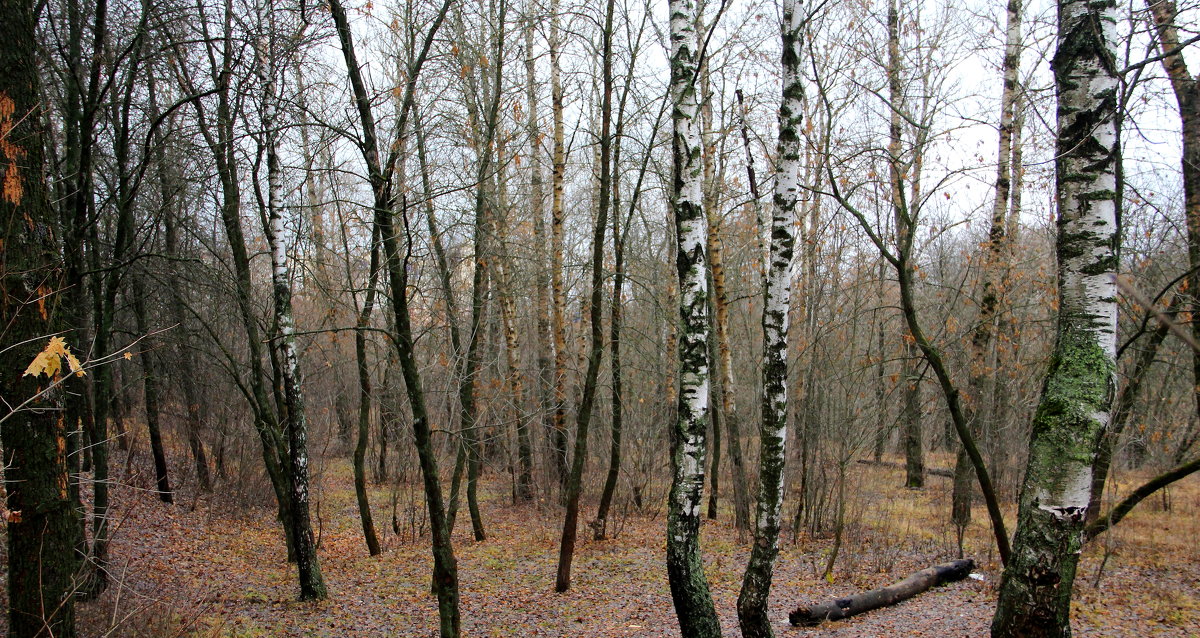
{"points": [[432, 258]]}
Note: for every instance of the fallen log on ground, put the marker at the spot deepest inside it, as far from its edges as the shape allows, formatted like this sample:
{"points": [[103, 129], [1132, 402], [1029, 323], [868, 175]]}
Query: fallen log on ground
{"points": [[876, 598], [933, 471]]}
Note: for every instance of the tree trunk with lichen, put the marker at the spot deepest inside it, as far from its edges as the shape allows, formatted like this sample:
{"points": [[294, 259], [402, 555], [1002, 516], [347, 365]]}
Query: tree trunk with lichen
{"points": [[685, 569], [1035, 593], [777, 292], [43, 524]]}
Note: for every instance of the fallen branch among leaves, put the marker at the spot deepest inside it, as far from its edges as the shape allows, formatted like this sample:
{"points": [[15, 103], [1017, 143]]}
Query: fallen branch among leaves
{"points": [[876, 598]]}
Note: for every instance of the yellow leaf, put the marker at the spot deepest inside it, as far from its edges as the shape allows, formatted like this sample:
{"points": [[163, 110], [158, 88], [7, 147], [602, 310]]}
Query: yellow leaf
{"points": [[128, 355], [76, 367], [45, 363], [49, 361]]}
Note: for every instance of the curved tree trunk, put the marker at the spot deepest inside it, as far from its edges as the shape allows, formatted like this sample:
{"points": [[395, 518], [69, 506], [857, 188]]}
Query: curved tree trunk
{"points": [[364, 403], [596, 352], [445, 566], [1035, 593]]}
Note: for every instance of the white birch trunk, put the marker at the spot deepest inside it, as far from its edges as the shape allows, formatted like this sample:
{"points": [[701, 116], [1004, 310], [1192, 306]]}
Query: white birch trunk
{"points": [[689, 587], [756, 584], [1035, 595], [279, 237]]}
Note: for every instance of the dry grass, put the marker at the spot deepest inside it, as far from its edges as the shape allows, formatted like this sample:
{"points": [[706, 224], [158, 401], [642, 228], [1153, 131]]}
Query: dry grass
{"points": [[220, 572]]}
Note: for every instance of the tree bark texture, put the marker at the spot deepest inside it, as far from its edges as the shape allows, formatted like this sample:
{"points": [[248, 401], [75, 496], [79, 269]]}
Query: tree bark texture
{"points": [[1074, 410], [583, 416], [685, 569], [753, 616], [558, 423], [42, 557], [541, 276], [312, 585], [445, 567]]}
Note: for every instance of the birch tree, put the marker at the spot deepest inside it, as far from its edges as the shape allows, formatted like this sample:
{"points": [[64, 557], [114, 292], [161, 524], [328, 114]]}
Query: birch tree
{"points": [[685, 569], [777, 294], [312, 585], [1035, 593]]}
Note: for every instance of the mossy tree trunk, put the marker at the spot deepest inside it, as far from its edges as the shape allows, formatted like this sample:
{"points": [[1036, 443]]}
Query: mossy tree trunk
{"points": [[42, 557], [1035, 593]]}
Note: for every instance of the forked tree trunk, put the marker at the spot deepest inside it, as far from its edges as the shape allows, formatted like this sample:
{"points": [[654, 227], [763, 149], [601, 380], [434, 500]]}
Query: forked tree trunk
{"points": [[1187, 98], [1035, 593], [753, 616], [445, 567], [620, 235], [685, 569], [724, 361]]}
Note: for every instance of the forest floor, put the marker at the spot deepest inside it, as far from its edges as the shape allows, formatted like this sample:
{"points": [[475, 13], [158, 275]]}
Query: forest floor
{"points": [[215, 567]]}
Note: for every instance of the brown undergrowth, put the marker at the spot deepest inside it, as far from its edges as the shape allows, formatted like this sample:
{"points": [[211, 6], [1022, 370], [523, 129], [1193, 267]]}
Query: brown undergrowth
{"points": [[219, 570]]}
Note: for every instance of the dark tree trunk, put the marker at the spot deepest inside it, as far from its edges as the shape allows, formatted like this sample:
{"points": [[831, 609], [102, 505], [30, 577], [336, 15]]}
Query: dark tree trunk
{"points": [[445, 568], [42, 557], [566, 552], [167, 186], [150, 387]]}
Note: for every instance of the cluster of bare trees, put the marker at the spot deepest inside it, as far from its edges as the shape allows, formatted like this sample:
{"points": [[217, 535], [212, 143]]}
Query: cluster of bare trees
{"points": [[271, 234]]}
